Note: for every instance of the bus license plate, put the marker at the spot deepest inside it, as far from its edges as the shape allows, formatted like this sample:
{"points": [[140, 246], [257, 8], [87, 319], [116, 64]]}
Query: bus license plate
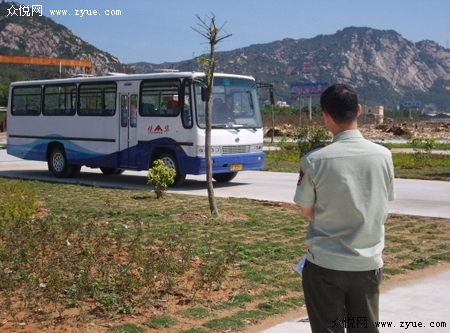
{"points": [[236, 167]]}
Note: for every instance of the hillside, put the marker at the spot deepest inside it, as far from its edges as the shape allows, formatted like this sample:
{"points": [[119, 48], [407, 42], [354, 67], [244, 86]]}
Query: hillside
{"points": [[40, 36], [384, 67]]}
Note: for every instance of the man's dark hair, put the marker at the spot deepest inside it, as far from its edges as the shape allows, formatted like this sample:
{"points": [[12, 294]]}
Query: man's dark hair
{"points": [[341, 103]]}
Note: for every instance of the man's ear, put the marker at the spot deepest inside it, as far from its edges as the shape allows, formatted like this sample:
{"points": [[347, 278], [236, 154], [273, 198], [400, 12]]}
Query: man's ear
{"points": [[359, 110], [326, 116]]}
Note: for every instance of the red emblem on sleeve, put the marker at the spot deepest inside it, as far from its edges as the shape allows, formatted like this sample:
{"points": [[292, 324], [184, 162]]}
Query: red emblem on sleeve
{"points": [[300, 178]]}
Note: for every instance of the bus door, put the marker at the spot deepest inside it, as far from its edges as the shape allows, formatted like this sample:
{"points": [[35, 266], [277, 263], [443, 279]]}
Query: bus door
{"points": [[128, 101]]}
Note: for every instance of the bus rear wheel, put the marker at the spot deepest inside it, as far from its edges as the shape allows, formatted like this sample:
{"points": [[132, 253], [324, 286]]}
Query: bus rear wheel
{"points": [[171, 162], [224, 177], [58, 165]]}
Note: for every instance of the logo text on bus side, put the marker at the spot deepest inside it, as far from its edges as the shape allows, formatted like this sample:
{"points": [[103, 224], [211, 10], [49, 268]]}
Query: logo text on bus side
{"points": [[158, 129]]}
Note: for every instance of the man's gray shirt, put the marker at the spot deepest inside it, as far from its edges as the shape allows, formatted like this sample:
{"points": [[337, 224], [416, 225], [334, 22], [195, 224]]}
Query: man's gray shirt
{"points": [[349, 184]]}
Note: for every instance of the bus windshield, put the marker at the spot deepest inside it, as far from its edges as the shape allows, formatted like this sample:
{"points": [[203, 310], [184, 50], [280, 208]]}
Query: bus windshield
{"points": [[234, 104]]}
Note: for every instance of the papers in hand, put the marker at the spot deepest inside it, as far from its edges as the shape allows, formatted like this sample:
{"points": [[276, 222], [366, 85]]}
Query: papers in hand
{"points": [[300, 265]]}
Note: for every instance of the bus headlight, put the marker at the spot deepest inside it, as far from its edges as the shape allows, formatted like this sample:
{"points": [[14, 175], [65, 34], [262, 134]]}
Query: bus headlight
{"points": [[256, 148], [215, 150]]}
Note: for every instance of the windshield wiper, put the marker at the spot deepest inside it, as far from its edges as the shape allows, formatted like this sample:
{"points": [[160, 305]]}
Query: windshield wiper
{"points": [[227, 126], [250, 126]]}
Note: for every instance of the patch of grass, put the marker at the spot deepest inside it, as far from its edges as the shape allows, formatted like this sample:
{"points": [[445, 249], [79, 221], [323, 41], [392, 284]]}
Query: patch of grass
{"points": [[392, 271], [274, 307], [195, 330], [420, 263], [437, 145], [251, 316], [126, 328], [433, 167], [196, 312], [169, 259], [225, 324], [443, 256], [296, 301], [241, 298]]}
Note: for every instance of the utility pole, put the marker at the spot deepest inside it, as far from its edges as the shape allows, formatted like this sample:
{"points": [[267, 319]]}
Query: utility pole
{"points": [[300, 102], [310, 107]]}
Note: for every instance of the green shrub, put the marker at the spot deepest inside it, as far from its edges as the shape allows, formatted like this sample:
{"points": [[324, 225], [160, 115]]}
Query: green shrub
{"points": [[422, 148], [160, 177], [309, 137]]}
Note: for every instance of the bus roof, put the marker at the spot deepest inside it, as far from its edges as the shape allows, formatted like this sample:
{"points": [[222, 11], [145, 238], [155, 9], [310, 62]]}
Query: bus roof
{"points": [[125, 77]]}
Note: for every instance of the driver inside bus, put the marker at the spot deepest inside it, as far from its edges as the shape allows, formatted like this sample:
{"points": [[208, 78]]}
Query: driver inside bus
{"points": [[223, 112], [172, 107]]}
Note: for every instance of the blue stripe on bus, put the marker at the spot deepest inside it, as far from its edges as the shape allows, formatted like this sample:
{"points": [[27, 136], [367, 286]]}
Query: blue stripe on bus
{"points": [[139, 156]]}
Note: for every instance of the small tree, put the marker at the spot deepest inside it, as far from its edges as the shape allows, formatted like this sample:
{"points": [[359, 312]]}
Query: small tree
{"points": [[422, 148], [211, 33], [310, 137], [160, 177]]}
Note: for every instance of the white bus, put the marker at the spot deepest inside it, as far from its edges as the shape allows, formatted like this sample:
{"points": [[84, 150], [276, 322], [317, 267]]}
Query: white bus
{"points": [[125, 122]]}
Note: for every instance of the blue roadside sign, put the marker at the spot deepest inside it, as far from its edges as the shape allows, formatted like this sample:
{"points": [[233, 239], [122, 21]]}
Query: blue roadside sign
{"points": [[308, 88]]}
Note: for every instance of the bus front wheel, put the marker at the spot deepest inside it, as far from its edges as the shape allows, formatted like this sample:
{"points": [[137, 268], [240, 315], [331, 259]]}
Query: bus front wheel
{"points": [[171, 162], [58, 163], [224, 177]]}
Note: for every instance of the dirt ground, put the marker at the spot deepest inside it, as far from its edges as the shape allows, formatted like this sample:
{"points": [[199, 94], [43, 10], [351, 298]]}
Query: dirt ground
{"points": [[439, 131], [400, 131]]}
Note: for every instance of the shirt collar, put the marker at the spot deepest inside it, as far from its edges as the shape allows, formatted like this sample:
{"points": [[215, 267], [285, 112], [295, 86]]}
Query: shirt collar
{"points": [[344, 135]]}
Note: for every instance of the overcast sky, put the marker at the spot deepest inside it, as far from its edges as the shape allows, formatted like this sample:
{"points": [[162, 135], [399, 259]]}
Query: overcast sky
{"points": [[157, 31]]}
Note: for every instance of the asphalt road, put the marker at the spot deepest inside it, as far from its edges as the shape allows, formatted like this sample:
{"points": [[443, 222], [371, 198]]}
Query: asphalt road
{"points": [[414, 197]]}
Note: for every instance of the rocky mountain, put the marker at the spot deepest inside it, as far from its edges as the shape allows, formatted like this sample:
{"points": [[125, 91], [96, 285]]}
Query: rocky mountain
{"points": [[381, 65], [40, 36]]}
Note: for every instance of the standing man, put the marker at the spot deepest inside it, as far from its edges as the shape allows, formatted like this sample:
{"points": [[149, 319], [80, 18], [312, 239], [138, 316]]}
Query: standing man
{"points": [[344, 189]]}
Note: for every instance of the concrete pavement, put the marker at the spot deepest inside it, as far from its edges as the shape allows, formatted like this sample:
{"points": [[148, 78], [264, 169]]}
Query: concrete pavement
{"points": [[417, 303]]}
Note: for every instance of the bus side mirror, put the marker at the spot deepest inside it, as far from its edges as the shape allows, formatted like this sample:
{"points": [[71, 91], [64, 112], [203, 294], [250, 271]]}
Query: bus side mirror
{"points": [[203, 93], [272, 97]]}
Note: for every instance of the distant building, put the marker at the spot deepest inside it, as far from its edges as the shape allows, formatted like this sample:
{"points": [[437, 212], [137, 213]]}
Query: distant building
{"points": [[440, 117], [283, 104], [373, 112]]}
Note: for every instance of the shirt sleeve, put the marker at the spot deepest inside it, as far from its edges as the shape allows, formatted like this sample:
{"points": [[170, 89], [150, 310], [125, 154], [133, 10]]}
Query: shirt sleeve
{"points": [[391, 194], [305, 192]]}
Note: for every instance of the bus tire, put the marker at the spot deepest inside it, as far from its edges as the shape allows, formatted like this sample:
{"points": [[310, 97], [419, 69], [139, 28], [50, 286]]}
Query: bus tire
{"points": [[109, 171], [171, 162], [57, 163], [224, 177]]}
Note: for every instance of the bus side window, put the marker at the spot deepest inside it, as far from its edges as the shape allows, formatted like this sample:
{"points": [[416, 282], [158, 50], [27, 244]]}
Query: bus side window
{"points": [[186, 112], [26, 101], [133, 110], [58, 100], [97, 99], [124, 111], [160, 98]]}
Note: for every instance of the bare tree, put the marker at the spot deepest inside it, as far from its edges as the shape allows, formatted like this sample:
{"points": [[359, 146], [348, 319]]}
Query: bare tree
{"points": [[211, 32]]}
